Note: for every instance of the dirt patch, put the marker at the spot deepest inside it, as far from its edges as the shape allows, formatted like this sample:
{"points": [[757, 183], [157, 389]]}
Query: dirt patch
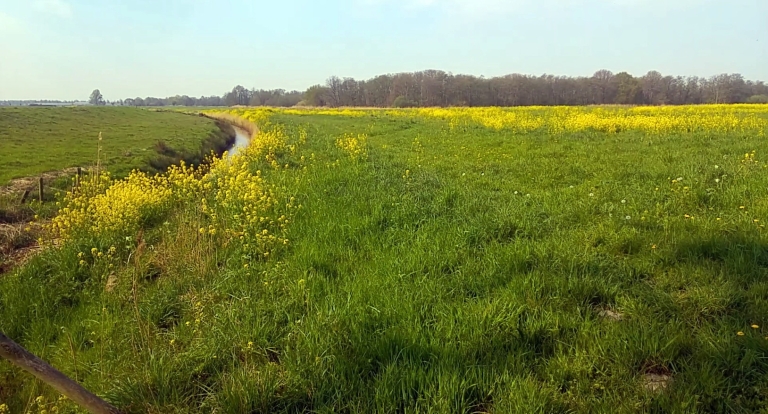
{"points": [[19, 185], [611, 314], [17, 258], [17, 244], [656, 382], [656, 378]]}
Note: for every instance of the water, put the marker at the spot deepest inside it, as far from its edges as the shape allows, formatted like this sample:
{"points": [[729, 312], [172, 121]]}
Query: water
{"points": [[242, 139]]}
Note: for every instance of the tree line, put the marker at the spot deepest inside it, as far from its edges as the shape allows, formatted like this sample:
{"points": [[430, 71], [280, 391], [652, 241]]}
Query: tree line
{"points": [[438, 88], [238, 96]]}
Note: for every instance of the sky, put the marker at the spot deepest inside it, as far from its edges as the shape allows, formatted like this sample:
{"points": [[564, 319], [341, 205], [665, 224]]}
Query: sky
{"points": [[63, 49]]}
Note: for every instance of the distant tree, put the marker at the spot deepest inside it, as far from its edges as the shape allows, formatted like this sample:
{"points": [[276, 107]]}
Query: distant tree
{"points": [[316, 96], [403, 102], [758, 99], [629, 89], [334, 87], [96, 98]]}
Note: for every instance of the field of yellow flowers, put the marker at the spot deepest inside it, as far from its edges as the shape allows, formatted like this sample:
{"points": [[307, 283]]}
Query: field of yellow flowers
{"points": [[606, 259]]}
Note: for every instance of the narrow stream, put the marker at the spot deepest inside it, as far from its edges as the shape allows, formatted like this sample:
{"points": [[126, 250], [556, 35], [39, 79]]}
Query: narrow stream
{"points": [[242, 139]]}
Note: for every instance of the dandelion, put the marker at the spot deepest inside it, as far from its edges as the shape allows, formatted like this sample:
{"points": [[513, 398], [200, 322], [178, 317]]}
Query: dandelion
{"points": [[250, 344], [742, 207], [591, 194], [628, 218], [717, 180], [754, 326], [623, 201], [740, 333], [653, 247]]}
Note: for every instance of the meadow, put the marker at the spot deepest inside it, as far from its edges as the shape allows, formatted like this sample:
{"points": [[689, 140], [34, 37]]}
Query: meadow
{"points": [[35, 140], [477, 260]]}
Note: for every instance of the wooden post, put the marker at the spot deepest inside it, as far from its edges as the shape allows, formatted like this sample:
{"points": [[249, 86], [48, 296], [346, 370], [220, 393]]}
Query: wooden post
{"points": [[20, 357], [40, 189], [24, 196], [77, 178]]}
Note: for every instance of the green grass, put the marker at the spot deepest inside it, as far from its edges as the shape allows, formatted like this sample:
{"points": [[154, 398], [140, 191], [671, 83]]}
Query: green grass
{"points": [[476, 282], [37, 140]]}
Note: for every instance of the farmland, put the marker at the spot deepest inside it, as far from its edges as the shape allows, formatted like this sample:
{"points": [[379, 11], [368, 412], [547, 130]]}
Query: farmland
{"points": [[583, 259]]}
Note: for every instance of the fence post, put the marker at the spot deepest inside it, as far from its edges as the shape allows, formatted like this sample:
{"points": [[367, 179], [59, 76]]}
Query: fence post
{"points": [[77, 178], [40, 189], [20, 357], [24, 196]]}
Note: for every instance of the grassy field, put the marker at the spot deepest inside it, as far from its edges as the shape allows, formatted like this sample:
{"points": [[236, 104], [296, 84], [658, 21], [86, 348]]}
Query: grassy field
{"points": [[37, 140], [485, 260]]}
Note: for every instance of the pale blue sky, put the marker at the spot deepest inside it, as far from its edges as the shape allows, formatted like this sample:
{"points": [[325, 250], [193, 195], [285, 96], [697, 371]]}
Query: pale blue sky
{"points": [[63, 49]]}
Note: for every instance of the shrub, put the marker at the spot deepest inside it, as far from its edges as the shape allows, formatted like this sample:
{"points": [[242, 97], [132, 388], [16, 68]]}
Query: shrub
{"points": [[403, 102]]}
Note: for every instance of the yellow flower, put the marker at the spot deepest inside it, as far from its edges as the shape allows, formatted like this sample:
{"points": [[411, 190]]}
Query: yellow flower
{"points": [[755, 326], [4, 409], [740, 333]]}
